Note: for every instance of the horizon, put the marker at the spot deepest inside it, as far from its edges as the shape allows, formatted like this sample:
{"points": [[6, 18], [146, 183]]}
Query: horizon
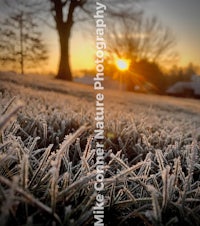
{"points": [[181, 16]]}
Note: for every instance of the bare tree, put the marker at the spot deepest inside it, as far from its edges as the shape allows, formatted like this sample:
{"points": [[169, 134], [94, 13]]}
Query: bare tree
{"points": [[68, 12], [146, 43], [21, 40], [141, 38], [63, 14]]}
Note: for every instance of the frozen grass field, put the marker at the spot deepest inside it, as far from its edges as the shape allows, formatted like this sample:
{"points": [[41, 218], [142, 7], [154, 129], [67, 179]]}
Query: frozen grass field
{"points": [[47, 156]]}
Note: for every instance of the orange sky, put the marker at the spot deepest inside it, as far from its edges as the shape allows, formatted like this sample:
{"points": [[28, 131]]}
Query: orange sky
{"points": [[182, 16], [81, 52]]}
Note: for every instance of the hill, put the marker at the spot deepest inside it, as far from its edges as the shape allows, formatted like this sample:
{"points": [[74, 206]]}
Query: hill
{"points": [[47, 155]]}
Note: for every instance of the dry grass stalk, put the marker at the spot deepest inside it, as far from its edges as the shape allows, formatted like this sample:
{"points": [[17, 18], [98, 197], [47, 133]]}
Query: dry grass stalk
{"points": [[30, 199]]}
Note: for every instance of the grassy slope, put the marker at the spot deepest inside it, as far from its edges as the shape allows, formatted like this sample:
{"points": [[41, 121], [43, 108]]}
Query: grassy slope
{"points": [[161, 134]]}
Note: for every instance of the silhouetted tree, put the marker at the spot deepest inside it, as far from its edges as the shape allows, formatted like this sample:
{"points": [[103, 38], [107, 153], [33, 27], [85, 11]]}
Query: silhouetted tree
{"points": [[141, 38], [146, 43], [68, 12], [21, 40], [63, 13]]}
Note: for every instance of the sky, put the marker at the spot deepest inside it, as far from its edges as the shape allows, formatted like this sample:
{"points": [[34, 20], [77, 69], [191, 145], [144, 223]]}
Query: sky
{"points": [[81, 51], [182, 16]]}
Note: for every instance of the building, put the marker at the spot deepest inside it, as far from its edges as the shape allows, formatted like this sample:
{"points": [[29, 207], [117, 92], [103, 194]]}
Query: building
{"points": [[186, 89]]}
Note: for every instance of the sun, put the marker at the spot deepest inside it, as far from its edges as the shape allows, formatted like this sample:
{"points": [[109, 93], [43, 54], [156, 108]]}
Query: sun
{"points": [[122, 64]]}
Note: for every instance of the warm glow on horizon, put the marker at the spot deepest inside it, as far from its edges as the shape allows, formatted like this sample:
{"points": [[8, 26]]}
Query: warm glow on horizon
{"points": [[122, 64], [81, 56]]}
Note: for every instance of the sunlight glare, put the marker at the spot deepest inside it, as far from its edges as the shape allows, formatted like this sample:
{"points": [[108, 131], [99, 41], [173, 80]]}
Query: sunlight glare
{"points": [[122, 64]]}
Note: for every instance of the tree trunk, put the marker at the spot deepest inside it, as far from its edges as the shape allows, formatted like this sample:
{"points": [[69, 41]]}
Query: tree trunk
{"points": [[64, 71], [64, 28]]}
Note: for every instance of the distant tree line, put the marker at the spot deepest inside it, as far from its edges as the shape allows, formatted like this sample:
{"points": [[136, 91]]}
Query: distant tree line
{"points": [[181, 74], [149, 77]]}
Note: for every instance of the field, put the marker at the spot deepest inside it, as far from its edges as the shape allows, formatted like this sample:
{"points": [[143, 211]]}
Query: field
{"points": [[47, 156]]}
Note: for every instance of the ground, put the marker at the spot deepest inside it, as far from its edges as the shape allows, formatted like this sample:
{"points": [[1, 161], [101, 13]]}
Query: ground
{"points": [[152, 147]]}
